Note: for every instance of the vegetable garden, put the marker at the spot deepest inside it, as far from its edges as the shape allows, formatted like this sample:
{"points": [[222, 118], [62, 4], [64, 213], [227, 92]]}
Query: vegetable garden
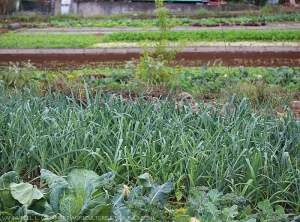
{"points": [[150, 138]]}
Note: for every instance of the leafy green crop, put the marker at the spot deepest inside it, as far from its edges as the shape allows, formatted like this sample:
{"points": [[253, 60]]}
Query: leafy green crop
{"points": [[266, 212], [212, 205], [145, 201], [211, 80], [228, 147], [83, 195], [22, 40], [212, 35], [284, 77], [128, 22], [19, 40]]}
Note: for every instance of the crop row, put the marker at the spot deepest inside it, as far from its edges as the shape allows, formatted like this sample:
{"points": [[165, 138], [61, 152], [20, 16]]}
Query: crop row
{"points": [[212, 35], [211, 80], [206, 78], [202, 79], [22, 40], [179, 21], [227, 147], [13, 40], [83, 195], [276, 84]]}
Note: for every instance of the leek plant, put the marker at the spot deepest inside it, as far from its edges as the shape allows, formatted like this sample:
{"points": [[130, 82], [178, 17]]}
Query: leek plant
{"points": [[228, 147]]}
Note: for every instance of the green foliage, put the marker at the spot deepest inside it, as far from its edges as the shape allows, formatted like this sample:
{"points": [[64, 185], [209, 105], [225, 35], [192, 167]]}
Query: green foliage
{"points": [[146, 201], [244, 81], [205, 12], [19, 75], [276, 9], [215, 147], [252, 83], [152, 68], [104, 23], [266, 212], [283, 14], [204, 79], [22, 40], [80, 194], [212, 205], [67, 17], [18, 199], [211, 35], [7, 202], [284, 77], [25, 193], [113, 79], [162, 39], [27, 18], [83, 195]]}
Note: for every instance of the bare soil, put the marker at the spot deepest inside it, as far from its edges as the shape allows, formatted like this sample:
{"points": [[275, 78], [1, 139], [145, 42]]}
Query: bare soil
{"points": [[239, 56], [2, 31]]}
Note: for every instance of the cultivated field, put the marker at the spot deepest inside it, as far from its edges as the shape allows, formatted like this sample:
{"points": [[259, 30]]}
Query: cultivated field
{"points": [[151, 119]]}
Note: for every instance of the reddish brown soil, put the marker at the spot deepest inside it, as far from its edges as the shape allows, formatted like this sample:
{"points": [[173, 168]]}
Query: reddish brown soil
{"points": [[96, 76], [228, 24], [3, 31], [238, 58], [99, 34]]}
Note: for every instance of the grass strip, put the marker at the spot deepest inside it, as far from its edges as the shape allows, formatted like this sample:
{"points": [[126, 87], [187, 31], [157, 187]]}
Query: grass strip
{"points": [[212, 35]]}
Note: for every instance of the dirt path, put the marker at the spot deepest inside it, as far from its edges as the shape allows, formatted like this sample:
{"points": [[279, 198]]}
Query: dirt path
{"points": [[190, 56]]}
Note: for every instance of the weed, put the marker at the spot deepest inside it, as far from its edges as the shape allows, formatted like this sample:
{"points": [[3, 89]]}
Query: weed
{"points": [[19, 75], [205, 12], [66, 17], [277, 9], [153, 65]]}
